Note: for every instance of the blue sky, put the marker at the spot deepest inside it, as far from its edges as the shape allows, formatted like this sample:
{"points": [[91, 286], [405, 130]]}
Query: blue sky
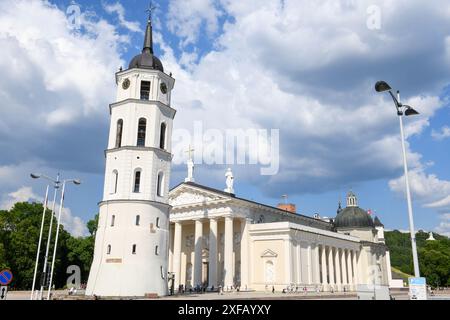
{"points": [[307, 69]]}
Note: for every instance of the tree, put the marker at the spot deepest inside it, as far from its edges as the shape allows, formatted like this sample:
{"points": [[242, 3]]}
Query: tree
{"points": [[434, 256], [19, 237]]}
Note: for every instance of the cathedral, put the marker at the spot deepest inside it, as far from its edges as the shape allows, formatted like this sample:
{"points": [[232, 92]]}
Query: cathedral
{"points": [[150, 237], [220, 239]]}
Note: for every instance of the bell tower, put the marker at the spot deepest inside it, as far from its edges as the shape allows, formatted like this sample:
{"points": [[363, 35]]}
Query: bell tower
{"points": [[132, 239]]}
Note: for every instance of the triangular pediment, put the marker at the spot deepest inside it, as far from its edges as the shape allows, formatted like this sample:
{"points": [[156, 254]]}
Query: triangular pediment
{"points": [[269, 254], [185, 195]]}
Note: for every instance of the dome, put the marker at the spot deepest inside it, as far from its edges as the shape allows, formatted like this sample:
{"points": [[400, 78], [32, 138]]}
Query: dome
{"points": [[147, 59], [353, 217]]}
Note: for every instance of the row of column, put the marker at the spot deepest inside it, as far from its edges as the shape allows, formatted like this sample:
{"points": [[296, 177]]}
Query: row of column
{"points": [[339, 268], [213, 253]]}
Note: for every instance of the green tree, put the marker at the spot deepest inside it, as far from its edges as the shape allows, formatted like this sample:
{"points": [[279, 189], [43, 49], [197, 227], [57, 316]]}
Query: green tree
{"points": [[19, 236]]}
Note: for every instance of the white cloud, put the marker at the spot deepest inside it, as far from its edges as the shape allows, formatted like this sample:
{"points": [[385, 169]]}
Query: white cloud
{"points": [[441, 134], [71, 223], [23, 194], [445, 202], [186, 18], [118, 9], [444, 225], [427, 188], [308, 69]]}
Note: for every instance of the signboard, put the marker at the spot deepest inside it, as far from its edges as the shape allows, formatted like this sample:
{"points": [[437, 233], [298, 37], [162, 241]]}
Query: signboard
{"points": [[6, 277], [3, 292], [417, 289]]}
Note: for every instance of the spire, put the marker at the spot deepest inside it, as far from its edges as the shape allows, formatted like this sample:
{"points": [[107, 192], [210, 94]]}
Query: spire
{"points": [[339, 209], [148, 41]]}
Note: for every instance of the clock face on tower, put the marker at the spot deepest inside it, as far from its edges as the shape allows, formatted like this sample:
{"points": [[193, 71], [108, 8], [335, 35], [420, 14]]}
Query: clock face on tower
{"points": [[163, 88], [126, 84]]}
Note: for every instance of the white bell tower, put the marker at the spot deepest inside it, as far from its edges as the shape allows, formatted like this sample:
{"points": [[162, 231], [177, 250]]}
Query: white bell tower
{"points": [[132, 240]]}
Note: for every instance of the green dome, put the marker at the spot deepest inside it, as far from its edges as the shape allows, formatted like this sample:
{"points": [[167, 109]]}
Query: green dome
{"points": [[353, 217]]}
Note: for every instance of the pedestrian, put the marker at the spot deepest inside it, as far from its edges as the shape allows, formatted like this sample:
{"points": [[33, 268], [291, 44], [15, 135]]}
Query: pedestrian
{"points": [[273, 289]]}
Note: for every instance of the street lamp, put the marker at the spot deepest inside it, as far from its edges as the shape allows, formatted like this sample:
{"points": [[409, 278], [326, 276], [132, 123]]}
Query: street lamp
{"points": [[76, 182], [56, 187], [404, 110]]}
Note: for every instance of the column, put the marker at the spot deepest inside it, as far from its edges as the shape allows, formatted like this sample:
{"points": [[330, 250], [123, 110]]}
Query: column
{"points": [[228, 252], [287, 262], [388, 267], [177, 254], [299, 263], [331, 267], [198, 253], [212, 253], [245, 255], [316, 264], [349, 269], [344, 269], [309, 252], [324, 268], [355, 269], [337, 264]]}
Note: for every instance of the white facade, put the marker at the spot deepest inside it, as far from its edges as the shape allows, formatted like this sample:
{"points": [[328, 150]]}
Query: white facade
{"points": [[132, 239], [218, 239]]}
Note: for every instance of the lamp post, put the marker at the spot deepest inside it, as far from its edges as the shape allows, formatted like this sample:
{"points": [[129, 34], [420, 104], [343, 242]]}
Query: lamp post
{"points": [[40, 241], [56, 187], [76, 182], [404, 110]]}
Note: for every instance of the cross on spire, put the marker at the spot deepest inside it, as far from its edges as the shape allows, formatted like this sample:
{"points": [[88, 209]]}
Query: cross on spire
{"points": [[190, 151], [190, 165], [150, 10]]}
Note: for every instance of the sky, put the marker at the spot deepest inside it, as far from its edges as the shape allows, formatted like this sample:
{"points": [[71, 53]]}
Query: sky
{"points": [[304, 68]]}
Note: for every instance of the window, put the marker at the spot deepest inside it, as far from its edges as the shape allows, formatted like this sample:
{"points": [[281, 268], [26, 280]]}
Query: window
{"points": [[137, 181], [162, 140], [142, 128], [159, 186], [119, 131], [108, 250], [115, 179], [133, 250], [157, 222], [138, 219], [113, 220], [157, 250], [145, 90]]}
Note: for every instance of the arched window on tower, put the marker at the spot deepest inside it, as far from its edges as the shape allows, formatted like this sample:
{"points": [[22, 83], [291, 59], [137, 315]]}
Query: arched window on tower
{"points": [[108, 250], [162, 139], [160, 184], [114, 181], [142, 129], [119, 131], [137, 181], [138, 220]]}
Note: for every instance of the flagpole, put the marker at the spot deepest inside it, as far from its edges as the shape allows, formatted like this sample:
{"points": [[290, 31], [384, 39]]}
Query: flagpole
{"points": [[39, 245]]}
